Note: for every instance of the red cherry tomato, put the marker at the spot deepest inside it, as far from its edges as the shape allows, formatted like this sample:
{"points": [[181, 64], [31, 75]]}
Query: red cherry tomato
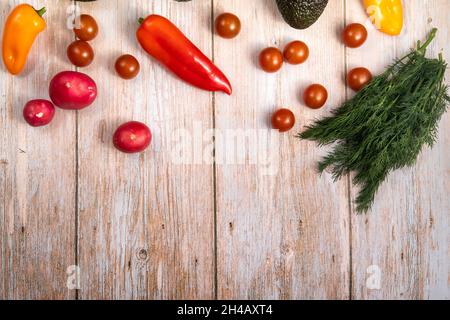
{"points": [[127, 66], [358, 78], [39, 112], [228, 25], [354, 35], [271, 59], [283, 120], [80, 53], [315, 96], [132, 137], [296, 52], [88, 28]]}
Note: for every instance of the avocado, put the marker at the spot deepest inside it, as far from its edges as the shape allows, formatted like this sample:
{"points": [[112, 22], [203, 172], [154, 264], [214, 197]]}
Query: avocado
{"points": [[301, 14]]}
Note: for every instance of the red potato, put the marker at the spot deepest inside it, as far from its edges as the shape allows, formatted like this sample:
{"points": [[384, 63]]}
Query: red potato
{"points": [[132, 137], [72, 90], [38, 112]]}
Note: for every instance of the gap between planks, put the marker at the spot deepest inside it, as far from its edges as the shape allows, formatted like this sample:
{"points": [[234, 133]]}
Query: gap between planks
{"points": [[349, 181], [213, 101]]}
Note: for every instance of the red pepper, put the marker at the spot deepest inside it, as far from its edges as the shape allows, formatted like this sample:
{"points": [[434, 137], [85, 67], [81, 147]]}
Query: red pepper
{"points": [[165, 42]]}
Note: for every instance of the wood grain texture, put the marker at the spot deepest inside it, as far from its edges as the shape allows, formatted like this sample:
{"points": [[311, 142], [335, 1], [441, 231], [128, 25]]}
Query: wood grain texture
{"points": [[281, 234], [160, 226], [146, 223], [37, 173], [406, 234]]}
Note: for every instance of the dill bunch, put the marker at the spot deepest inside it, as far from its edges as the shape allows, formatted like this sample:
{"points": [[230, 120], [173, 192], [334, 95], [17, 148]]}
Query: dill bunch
{"points": [[385, 126]]}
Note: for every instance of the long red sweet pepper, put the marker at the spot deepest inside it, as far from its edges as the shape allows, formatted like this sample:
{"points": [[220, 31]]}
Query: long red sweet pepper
{"points": [[165, 42]]}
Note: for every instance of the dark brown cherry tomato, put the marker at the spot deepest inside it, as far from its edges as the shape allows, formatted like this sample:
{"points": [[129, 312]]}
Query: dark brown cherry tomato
{"points": [[228, 25], [358, 78], [296, 52], [80, 53], [39, 112], [315, 96], [88, 28], [271, 59], [354, 35], [127, 66], [283, 120], [132, 137]]}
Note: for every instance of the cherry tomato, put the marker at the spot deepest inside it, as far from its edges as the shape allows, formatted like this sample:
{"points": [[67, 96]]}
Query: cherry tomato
{"points": [[132, 137], [80, 53], [271, 59], [127, 66], [296, 52], [88, 28], [315, 96], [39, 112], [283, 120], [228, 25], [358, 78], [354, 35]]}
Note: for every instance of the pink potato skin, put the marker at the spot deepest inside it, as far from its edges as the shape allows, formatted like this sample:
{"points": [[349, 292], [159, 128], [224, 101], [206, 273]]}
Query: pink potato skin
{"points": [[38, 112], [72, 90], [132, 137]]}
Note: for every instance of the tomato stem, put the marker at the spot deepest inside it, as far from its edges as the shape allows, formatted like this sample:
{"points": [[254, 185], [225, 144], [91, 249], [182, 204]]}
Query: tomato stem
{"points": [[141, 20], [41, 11]]}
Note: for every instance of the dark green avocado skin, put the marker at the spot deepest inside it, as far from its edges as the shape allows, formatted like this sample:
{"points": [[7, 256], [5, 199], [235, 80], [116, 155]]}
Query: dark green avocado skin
{"points": [[301, 14]]}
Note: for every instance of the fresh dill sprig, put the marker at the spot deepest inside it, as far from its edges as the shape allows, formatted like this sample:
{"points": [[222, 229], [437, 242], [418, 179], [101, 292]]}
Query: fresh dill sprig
{"points": [[385, 126]]}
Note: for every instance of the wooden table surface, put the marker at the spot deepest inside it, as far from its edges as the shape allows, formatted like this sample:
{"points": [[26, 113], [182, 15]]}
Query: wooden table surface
{"points": [[158, 226]]}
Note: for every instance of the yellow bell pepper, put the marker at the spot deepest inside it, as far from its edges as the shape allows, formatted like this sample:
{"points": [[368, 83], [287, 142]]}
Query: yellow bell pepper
{"points": [[386, 15], [21, 29]]}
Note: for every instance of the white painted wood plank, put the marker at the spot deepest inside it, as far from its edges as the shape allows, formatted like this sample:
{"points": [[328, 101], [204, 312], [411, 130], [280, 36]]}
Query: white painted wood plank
{"points": [[406, 234], [146, 223], [286, 235], [37, 173]]}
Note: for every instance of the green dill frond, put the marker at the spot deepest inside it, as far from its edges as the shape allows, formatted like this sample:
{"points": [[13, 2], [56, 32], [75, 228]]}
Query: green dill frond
{"points": [[385, 126]]}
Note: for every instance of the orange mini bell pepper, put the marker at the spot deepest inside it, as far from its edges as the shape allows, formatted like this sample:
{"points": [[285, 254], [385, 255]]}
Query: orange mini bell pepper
{"points": [[21, 29], [386, 15]]}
